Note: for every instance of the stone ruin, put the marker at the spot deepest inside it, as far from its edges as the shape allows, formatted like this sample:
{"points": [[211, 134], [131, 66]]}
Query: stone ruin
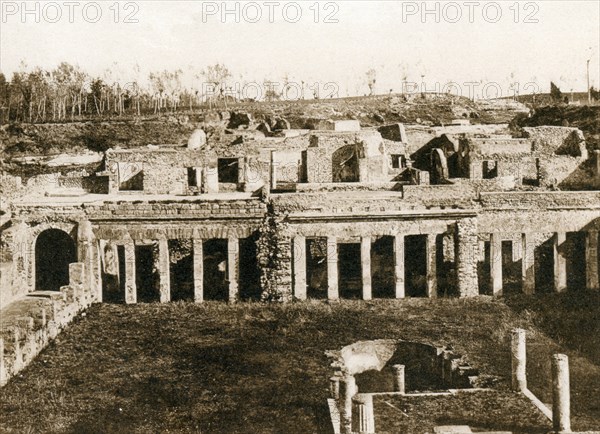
{"points": [[399, 365], [336, 212], [397, 211]]}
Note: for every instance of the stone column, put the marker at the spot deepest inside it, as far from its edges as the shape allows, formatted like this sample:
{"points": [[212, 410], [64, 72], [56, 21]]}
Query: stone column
{"points": [[300, 267], [365, 263], [233, 265], [347, 391], [496, 263], [591, 260], [3, 375], [130, 286], [431, 266], [198, 264], [85, 238], [560, 262], [467, 248], [399, 378], [561, 395], [528, 264], [399, 265], [334, 387], [363, 418], [333, 292], [97, 273], [273, 172], [517, 248], [519, 360], [164, 270]]}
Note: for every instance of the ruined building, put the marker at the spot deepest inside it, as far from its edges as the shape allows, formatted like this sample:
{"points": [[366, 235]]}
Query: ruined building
{"points": [[328, 213]]}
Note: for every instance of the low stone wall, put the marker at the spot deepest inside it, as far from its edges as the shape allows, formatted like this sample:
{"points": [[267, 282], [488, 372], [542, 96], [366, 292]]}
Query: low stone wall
{"points": [[146, 208], [23, 338], [542, 200], [452, 196]]}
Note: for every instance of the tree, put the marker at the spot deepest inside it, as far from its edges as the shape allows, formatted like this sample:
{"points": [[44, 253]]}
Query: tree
{"points": [[217, 76], [4, 96], [555, 92], [595, 94], [371, 80]]}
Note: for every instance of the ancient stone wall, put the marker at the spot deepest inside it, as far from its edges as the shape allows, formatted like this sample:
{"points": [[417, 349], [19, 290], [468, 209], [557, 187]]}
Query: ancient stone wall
{"points": [[452, 196], [320, 156], [492, 146], [552, 140], [22, 338]]}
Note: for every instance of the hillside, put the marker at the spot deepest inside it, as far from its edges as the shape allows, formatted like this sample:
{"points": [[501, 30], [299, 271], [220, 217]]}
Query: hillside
{"points": [[94, 135]]}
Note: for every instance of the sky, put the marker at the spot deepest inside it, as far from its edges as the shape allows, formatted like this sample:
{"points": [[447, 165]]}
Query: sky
{"points": [[480, 46]]}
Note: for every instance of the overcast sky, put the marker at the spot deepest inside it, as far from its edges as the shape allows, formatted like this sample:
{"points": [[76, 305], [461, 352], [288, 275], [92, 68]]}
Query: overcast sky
{"points": [[455, 41]]}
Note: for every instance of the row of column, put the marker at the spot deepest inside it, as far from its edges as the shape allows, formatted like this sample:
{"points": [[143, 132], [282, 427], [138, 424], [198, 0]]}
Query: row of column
{"points": [[299, 248], [528, 262], [198, 267]]}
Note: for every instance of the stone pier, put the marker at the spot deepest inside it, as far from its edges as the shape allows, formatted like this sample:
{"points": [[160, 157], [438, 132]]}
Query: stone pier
{"points": [[496, 263], [560, 262], [591, 260], [85, 238], [164, 270], [528, 264], [561, 394], [299, 267], [198, 264], [399, 266], [365, 262], [130, 285], [466, 247], [333, 291], [233, 265], [431, 266]]}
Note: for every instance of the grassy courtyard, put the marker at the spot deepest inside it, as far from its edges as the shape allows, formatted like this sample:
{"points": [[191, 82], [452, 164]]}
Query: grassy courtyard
{"points": [[255, 368]]}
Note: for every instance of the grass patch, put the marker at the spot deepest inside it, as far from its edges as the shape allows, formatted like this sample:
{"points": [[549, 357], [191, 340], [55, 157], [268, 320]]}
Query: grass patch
{"points": [[482, 411], [251, 368]]}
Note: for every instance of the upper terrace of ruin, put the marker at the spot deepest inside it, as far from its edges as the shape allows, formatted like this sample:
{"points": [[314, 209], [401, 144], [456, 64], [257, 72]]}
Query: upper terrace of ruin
{"points": [[342, 156]]}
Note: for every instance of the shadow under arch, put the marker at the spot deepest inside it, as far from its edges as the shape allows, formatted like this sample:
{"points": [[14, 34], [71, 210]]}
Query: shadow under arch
{"points": [[345, 166], [54, 251]]}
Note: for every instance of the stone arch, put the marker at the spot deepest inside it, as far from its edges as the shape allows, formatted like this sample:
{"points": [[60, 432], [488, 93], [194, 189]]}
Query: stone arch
{"points": [[345, 166], [439, 166], [54, 249]]}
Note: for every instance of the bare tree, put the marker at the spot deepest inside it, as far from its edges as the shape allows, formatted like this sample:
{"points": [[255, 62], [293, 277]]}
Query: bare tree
{"points": [[217, 75], [371, 75]]}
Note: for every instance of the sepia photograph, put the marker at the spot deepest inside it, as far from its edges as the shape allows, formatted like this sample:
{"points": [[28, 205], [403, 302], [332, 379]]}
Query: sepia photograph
{"points": [[299, 217]]}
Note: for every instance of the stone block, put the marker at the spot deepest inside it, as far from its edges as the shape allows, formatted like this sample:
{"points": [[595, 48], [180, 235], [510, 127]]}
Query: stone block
{"points": [[76, 274], [197, 140]]}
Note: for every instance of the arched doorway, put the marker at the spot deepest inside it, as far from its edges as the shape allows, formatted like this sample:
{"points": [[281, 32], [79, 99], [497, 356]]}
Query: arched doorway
{"points": [[54, 251]]}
